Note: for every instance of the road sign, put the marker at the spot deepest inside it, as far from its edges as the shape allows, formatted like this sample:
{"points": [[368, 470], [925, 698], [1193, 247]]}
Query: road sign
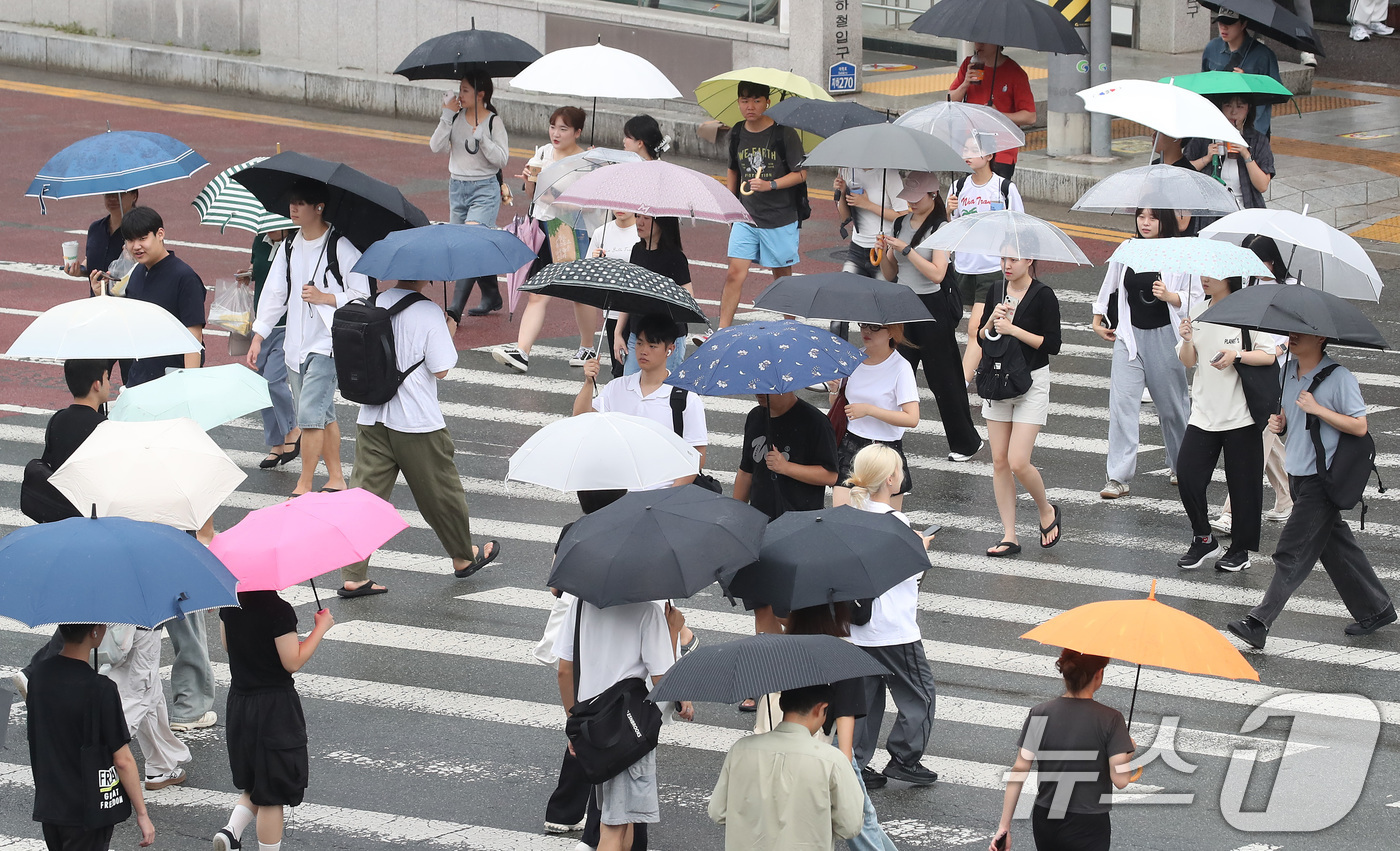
{"points": [[1075, 11], [842, 78]]}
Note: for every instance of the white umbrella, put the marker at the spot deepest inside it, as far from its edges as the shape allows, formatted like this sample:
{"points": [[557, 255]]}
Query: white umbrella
{"points": [[595, 71], [167, 471], [958, 123], [104, 327], [1007, 233], [211, 396], [1170, 110], [598, 451], [1316, 253], [1158, 187]]}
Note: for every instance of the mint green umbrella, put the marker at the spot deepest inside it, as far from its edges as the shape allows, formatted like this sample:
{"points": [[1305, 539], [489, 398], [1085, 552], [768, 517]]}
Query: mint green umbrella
{"points": [[1255, 88], [210, 396]]}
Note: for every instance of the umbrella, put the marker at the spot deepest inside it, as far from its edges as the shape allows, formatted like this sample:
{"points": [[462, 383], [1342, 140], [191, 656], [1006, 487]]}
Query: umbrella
{"points": [[1316, 253], [1286, 310], [844, 297], [224, 203], [114, 162], [765, 357], [719, 95], [657, 545], [1158, 187], [1010, 23], [1190, 256], [603, 451], [211, 396], [761, 664], [363, 209], [168, 472], [1270, 19], [108, 570], [957, 124], [557, 177], [833, 555], [1007, 233], [444, 252], [452, 56], [104, 327], [886, 146], [528, 232], [822, 118], [615, 285], [1170, 110], [595, 71], [655, 189], [1256, 88]]}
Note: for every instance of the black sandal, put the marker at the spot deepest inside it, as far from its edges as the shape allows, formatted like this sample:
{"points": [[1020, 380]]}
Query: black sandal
{"points": [[481, 560], [1003, 549], [368, 589], [1053, 527]]}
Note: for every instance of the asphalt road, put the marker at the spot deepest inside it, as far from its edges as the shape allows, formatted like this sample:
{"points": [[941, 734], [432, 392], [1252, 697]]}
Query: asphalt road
{"points": [[430, 723]]}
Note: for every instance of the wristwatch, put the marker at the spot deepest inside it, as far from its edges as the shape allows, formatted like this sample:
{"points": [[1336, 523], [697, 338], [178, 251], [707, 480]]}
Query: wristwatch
{"points": [[1248, 160], [906, 249]]}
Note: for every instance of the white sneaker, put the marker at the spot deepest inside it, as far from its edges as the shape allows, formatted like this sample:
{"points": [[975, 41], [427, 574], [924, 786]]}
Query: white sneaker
{"points": [[959, 457], [1379, 28], [208, 719], [1308, 59], [160, 781], [509, 355], [556, 827], [1113, 489], [583, 356], [1222, 524], [21, 685], [1277, 516], [1359, 33]]}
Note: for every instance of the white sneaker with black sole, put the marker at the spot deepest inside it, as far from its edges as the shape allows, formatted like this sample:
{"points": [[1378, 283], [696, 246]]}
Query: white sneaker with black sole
{"points": [[1308, 59], [1233, 561], [958, 457], [1201, 549], [1359, 33], [583, 356], [555, 827], [509, 355]]}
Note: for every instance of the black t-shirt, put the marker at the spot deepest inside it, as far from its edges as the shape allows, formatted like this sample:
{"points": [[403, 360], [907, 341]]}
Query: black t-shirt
{"points": [[252, 631], [804, 436], [847, 699], [173, 285], [758, 159], [103, 246], [670, 262], [66, 431], [59, 725], [1076, 724], [1147, 311]]}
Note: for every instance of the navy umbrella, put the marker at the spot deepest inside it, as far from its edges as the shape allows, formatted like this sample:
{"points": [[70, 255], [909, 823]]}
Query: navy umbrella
{"points": [[452, 56], [1270, 19], [114, 162], [823, 118], [1009, 23], [1301, 310], [444, 253], [761, 664], [845, 297], [766, 357]]}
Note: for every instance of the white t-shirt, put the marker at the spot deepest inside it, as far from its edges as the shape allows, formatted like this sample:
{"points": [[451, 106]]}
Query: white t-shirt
{"points": [[544, 155], [983, 199], [420, 332], [888, 385], [868, 223], [1217, 397], [894, 617], [615, 240], [618, 642], [624, 396], [308, 325]]}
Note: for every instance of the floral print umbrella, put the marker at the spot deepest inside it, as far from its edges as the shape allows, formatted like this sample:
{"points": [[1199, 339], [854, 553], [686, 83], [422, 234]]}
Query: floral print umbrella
{"points": [[766, 357]]}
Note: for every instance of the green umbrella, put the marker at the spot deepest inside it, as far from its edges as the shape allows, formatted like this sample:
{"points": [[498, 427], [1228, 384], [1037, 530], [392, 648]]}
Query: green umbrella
{"points": [[211, 396], [1255, 88], [225, 202]]}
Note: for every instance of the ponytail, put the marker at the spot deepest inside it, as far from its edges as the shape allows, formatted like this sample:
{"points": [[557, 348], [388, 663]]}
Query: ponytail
{"points": [[870, 469]]}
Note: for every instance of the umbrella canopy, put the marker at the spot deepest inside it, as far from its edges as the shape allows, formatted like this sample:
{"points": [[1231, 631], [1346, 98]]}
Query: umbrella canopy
{"points": [[108, 570], [1270, 19], [845, 297], [603, 451], [657, 545], [527, 231], [104, 327], [1007, 233], [1303, 310], [117, 161], [1170, 110], [363, 209], [655, 188], [559, 176], [1316, 253], [822, 118], [168, 472], [766, 357], [811, 558], [719, 95], [615, 285], [958, 124], [225, 203], [1158, 187], [444, 253], [761, 664], [211, 396], [1010, 23], [886, 146], [452, 56], [595, 71], [1190, 256], [290, 542], [1256, 88]]}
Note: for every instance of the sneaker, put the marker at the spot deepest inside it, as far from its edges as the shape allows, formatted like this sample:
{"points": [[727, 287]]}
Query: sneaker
{"points": [[1201, 549], [915, 774], [208, 719], [21, 685], [1113, 489], [160, 781], [1360, 33], [1371, 624], [509, 355], [1222, 524], [959, 457], [1308, 59], [1250, 630], [1379, 28], [698, 340], [1174, 480], [1233, 561], [224, 840], [1276, 516], [583, 356], [556, 827], [873, 779]]}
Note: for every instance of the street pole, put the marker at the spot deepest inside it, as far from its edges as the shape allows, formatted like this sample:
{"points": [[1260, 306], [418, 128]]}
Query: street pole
{"points": [[1067, 122], [1100, 72]]}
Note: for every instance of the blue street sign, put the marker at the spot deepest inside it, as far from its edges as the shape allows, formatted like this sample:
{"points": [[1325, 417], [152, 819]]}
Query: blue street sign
{"points": [[842, 78]]}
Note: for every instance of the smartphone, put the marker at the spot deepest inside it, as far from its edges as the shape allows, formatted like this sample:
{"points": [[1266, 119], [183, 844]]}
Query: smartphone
{"points": [[1218, 356], [1001, 842], [932, 530]]}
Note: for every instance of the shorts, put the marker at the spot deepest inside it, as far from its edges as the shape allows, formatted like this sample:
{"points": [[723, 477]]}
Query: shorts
{"points": [[858, 262], [632, 796], [313, 390], [267, 752], [771, 248], [1030, 407], [974, 288], [852, 443]]}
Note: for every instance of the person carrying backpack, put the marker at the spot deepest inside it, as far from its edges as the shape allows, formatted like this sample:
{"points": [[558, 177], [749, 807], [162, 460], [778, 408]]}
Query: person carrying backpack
{"points": [[1322, 406]]}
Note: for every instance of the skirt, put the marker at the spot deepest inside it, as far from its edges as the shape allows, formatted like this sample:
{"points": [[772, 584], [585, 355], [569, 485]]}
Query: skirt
{"points": [[267, 746]]}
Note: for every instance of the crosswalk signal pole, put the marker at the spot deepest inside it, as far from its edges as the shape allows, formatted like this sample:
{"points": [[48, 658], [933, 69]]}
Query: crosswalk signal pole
{"points": [[1100, 72]]}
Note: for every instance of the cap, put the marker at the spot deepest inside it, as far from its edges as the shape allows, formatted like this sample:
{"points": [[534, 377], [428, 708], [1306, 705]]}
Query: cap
{"points": [[917, 184], [1227, 15]]}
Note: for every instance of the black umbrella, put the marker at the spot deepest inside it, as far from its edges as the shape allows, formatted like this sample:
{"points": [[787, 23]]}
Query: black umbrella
{"points": [[451, 56], [361, 208], [1269, 18], [823, 118], [615, 285], [845, 297], [1009, 23], [657, 545], [811, 558], [761, 664], [1302, 310]]}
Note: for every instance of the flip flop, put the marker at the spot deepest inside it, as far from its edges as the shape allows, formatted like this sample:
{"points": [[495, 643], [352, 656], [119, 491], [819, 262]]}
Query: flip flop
{"points": [[331, 490], [369, 589], [1051, 528], [481, 560], [748, 705], [1003, 549]]}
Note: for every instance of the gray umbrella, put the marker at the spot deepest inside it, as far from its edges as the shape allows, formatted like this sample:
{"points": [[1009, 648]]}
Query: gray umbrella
{"points": [[845, 297], [886, 146], [1158, 187], [1302, 310], [760, 664]]}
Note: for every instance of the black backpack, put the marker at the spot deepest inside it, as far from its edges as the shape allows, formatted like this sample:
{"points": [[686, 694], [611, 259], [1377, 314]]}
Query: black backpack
{"points": [[39, 500], [804, 203], [1005, 189], [366, 360], [1003, 372], [678, 403], [1352, 463]]}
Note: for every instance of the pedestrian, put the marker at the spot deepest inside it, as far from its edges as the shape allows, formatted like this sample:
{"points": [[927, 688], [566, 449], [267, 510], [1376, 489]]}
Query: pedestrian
{"points": [[658, 249], [765, 176], [473, 134], [266, 736], [1303, 9], [615, 240], [924, 270], [786, 790], [870, 199], [1235, 49], [71, 710], [1221, 421], [889, 632], [130, 657], [563, 245], [408, 435], [989, 77], [642, 136], [1054, 734], [104, 237], [882, 403], [280, 431], [1321, 402], [1149, 307], [788, 458], [1367, 18], [315, 267], [1246, 172], [1029, 311]]}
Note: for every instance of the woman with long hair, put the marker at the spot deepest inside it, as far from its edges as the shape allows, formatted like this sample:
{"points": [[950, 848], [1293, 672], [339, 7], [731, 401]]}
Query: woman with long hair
{"points": [[1247, 171], [658, 249], [882, 403], [642, 136]]}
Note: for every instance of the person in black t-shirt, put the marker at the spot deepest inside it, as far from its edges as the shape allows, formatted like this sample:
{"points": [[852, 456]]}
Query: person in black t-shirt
{"points": [[67, 703], [789, 456], [658, 250]]}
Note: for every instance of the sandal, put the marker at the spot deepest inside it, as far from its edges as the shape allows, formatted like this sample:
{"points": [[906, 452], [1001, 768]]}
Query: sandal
{"points": [[288, 457], [366, 590], [331, 490], [480, 561], [749, 704], [1003, 549], [1053, 527]]}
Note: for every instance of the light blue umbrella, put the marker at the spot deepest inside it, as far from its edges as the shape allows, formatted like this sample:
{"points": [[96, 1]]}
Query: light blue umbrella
{"points": [[117, 161], [1190, 256], [766, 357], [211, 396], [444, 253]]}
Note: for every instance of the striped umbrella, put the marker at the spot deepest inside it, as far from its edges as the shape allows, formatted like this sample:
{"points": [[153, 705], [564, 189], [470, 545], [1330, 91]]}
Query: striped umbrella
{"points": [[759, 664], [225, 202]]}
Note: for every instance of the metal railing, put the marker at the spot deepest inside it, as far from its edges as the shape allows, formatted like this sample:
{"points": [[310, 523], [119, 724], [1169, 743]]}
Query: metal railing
{"points": [[895, 10]]}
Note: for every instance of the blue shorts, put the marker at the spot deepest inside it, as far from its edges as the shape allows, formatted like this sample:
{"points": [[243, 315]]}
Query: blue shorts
{"points": [[313, 390], [771, 248]]}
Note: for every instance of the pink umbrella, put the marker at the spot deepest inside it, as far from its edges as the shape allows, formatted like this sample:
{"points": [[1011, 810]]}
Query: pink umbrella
{"points": [[527, 230], [655, 188], [282, 545]]}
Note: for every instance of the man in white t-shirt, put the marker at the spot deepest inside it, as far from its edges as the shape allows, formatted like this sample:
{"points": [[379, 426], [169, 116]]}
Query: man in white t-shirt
{"points": [[408, 434]]}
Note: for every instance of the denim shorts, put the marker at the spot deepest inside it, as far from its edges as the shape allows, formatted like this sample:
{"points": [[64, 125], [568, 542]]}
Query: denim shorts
{"points": [[313, 390], [474, 200], [771, 248]]}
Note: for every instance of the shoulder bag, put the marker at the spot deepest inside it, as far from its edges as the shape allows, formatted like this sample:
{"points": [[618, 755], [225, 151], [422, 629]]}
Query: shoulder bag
{"points": [[837, 414], [1003, 372], [1263, 393]]}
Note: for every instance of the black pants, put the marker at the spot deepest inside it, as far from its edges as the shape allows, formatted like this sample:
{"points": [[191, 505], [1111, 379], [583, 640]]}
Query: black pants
{"points": [[1244, 476], [490, 289], [937, 348], [1004, 169], [609, 330], [76, 838], [1074, 832]]}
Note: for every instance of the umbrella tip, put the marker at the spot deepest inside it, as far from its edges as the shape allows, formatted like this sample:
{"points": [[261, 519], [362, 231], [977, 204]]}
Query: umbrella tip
{"points": [[1152, 592], [94, 511], [473, 21], [600, 38]]}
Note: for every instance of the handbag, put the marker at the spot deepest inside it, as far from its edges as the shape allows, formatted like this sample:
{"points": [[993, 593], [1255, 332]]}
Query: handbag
{"points": [[1352, 464], [678, 403], [39, 500], [612, 730], [1263, 393], [104, 802], [837, 414], [1002, 372]]}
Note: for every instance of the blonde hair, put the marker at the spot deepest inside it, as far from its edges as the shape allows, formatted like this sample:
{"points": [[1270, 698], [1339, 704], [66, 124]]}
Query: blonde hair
{"points": [[870, 469]]}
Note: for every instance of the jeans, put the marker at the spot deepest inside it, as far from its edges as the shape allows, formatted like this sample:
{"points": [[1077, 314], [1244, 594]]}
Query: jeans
{"points": [[1159, 369], [279, 419], [191, 677], [871, 837], [473, 201], [673, 362]]}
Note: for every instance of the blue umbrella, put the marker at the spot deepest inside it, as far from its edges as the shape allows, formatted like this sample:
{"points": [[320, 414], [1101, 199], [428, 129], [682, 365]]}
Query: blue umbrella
{"points": [[766, 357], [114, 162], [108, 570], [444, 253]]}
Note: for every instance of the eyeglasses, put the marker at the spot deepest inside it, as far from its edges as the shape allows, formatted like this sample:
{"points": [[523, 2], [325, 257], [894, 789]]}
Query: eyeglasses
{"points": [[865, 326]]}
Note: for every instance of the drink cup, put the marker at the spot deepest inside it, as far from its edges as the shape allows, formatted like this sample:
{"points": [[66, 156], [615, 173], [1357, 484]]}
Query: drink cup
{"points": [[70, 252]]}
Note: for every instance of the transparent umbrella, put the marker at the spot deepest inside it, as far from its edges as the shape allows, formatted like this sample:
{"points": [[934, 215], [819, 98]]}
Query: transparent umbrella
{"points": [[959, 124], [555, 178], [1158, 187], [1008, 233]]}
